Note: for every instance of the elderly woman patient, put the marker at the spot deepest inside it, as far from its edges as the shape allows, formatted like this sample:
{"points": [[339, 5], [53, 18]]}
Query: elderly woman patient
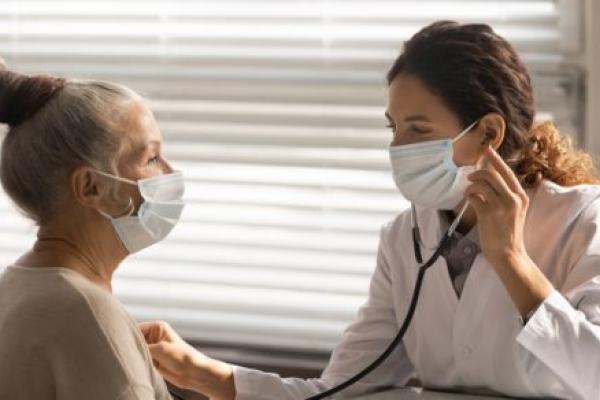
{"points": [[83, 160]]}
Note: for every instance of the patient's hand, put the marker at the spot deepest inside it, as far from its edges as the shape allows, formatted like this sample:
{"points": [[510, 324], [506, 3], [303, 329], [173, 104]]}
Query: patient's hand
{"points": [[186, 367]]}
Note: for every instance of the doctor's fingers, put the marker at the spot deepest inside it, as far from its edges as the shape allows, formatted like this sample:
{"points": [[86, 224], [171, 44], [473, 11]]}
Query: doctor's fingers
{"points": [[495, 181], [180, 363], [494, 160], [177, 378], [157, 331], [176, 356], [485, 192]]}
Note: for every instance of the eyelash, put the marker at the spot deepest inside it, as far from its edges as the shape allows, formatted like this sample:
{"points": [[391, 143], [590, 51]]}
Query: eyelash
{"points": [[153, 160], [420, 131], [413, 128]]}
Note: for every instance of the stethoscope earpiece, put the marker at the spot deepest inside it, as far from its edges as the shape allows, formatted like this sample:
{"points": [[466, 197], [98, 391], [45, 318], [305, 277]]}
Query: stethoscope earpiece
{"points": [[488, 136]]}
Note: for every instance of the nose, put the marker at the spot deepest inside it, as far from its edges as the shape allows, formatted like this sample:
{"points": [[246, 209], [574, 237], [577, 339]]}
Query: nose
{"points": [[402, 141], [167, 168], [398, 140]]}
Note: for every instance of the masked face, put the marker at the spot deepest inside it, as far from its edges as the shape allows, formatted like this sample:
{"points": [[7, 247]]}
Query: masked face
{"points": [[431, 153], [153, 189], [157, 215], [426, 174]]}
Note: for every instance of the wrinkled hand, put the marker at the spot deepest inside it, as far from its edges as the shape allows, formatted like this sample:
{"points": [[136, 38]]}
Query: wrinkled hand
{"points": [[501, 206], [184, 366]]}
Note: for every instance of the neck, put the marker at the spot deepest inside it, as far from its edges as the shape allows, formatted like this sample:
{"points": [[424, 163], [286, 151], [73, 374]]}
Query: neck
{"points": [[57, 248]]}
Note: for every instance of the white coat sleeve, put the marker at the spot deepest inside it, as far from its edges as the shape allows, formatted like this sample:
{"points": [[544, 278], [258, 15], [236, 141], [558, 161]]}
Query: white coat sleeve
{"points": [[362, 342], [564, 332]]}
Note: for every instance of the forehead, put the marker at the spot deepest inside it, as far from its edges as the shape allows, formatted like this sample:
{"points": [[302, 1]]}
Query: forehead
{"points": [[139, 128], [408, 95]]}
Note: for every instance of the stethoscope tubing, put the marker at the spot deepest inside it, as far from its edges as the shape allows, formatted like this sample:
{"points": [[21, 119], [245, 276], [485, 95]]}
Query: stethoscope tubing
{"points": [[413, 302]]}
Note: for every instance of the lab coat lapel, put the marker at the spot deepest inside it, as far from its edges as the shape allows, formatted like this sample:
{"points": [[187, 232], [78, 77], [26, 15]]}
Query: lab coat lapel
{"points": [[437, 280], [431, 333]]}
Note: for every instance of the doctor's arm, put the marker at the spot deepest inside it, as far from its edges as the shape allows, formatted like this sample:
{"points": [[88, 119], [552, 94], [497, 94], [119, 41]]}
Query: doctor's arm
{"points": [[562, 332], [371, 332]]}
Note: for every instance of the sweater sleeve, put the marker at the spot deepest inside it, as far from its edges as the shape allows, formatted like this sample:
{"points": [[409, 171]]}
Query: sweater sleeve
{"points": [[97, 352]]}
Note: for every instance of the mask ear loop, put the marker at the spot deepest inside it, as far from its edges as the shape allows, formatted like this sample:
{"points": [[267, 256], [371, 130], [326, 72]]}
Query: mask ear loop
{"points": [[127, 213], [464, 132], [119, 178], [130, 207], [462, 211]]}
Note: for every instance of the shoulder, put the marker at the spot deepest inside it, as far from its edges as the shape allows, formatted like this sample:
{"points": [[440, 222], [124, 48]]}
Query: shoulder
{"points": [[553, 203], [77, 293], [93, 321], [397, 227], [72, 322], [64, 306], [54, 294], [101, 308]]}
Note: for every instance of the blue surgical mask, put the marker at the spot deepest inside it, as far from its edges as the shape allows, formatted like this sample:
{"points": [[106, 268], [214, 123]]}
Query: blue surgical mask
{"points": [[426, 175], [157, 215]]}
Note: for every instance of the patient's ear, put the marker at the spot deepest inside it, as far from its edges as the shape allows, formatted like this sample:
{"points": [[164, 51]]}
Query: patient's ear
{"points": [[86, 187]]}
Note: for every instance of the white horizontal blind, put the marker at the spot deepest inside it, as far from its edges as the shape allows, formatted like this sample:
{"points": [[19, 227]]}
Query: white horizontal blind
{"points": [[274, 110]]}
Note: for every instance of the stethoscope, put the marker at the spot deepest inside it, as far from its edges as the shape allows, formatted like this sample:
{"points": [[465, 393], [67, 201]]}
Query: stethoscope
{"points": [[423, 267], [175, 395]]}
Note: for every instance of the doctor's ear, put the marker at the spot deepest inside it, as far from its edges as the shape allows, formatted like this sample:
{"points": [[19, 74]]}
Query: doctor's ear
{"points": [[493, 127]]}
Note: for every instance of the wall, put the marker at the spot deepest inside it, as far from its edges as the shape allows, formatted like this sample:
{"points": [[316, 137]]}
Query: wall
{"points": [[592, 16]]}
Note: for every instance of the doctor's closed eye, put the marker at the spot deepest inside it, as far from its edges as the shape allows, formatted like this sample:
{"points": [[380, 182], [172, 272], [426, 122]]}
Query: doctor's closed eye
{"points": [[412, 127]]}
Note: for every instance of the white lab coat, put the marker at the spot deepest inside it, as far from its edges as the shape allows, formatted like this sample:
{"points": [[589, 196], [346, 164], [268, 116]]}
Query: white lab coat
{"points": [[476, 341]]}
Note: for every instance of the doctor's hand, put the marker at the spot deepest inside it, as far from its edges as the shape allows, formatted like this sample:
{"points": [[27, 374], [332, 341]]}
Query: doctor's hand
{"points": [[186, 367], [501, 206]]}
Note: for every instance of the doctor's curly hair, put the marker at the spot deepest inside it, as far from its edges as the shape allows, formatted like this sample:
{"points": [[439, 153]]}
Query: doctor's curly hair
{"points": [[475, 72]]}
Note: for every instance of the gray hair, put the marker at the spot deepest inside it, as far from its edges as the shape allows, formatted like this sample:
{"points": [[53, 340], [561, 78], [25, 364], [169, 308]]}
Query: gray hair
{"points": [[56, 125]]}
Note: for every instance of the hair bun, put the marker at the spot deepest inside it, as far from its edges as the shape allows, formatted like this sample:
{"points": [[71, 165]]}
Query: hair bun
{"points": [[21, 96]]}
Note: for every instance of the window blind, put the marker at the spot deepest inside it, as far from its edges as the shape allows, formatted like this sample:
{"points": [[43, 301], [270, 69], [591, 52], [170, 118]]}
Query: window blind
{"points": [[274, 111]]}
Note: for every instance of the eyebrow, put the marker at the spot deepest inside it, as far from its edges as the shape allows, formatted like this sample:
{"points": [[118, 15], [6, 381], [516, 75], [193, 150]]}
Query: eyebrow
{"points": [[416, 118], [411, 118], [156, 142], [139, 150]]}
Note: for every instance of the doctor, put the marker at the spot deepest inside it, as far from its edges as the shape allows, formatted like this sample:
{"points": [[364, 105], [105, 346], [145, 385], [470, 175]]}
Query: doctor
{"points": [[513, 306]]}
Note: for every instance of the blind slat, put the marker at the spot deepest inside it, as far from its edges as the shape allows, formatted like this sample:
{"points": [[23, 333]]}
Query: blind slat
{"points": [[274, 112]]}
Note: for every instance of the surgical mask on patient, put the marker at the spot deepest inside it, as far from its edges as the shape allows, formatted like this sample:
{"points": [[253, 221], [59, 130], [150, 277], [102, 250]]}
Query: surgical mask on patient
{"points": [[157, 215], [426, 175]]}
